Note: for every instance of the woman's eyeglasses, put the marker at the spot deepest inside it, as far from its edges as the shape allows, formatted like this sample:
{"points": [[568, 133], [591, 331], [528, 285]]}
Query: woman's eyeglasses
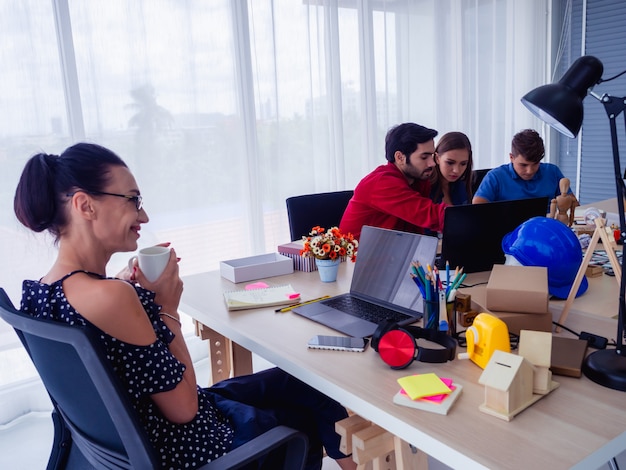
{"points": [[137, 199]]}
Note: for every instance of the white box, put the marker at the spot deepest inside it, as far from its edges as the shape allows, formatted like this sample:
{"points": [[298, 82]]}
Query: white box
{"points": [[256, 267]]}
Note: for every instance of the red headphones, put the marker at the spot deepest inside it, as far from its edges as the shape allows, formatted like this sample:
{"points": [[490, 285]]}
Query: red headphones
{"points": [[398, 347]]}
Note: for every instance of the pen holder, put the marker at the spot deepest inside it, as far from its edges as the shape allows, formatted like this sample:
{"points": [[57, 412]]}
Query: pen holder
{"points": [[431, 314]]}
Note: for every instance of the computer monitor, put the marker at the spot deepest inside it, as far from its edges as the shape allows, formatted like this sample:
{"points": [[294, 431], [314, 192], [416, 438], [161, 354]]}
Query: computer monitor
{"points": [[472, 234]]}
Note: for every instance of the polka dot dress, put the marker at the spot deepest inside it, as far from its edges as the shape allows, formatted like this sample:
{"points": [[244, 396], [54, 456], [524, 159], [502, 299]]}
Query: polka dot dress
{"points": [[145, 370]]}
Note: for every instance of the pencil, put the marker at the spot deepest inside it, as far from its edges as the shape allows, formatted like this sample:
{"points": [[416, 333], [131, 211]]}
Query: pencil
{"points": [[290, 307], [459, 281]]}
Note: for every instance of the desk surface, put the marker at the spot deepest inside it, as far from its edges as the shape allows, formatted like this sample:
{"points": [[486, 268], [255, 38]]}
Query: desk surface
{"points": [[580, 424]]}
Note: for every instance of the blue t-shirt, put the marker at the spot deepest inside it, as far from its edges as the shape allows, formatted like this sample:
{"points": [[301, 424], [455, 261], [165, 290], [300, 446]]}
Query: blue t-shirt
{"points": [[503, 184]]}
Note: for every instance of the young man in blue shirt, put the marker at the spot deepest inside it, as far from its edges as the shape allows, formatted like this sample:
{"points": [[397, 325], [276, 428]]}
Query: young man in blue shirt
{"points": [[524, 177]]}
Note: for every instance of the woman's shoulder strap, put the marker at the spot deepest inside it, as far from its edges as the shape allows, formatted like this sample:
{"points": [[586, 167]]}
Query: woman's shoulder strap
{"points": [[81, 271]]}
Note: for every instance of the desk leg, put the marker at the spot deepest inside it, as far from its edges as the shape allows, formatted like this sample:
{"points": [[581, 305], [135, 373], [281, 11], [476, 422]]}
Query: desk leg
{"points": [[241, 360], [228, 359]]}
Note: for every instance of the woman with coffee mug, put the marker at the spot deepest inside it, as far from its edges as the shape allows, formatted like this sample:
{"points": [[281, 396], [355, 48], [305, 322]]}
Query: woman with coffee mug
{"points": [[88, 199]]}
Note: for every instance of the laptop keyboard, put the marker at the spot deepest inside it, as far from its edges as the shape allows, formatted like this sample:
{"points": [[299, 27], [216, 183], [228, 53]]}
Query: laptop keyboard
{"points": [[365, 310]]}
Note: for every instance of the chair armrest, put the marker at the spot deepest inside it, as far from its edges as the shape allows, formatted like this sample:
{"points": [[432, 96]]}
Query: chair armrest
{"points": [[295, 442]]}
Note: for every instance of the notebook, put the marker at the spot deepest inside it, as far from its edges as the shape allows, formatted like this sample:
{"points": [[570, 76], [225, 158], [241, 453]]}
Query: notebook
{"points": [[381, 282], [264, 297], [472, 234]]}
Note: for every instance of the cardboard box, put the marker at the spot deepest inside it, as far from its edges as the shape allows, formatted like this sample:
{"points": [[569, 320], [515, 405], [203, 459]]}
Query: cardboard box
{"points": [[518, 289], [515, 322], [256, 267]]}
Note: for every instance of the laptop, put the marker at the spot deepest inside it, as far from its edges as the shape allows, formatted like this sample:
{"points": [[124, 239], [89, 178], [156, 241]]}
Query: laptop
{"points": [[381, 283], [472, 234]]}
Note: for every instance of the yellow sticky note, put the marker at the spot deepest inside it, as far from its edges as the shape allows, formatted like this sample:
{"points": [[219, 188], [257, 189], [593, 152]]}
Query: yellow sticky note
{"points": [[423, 385]]}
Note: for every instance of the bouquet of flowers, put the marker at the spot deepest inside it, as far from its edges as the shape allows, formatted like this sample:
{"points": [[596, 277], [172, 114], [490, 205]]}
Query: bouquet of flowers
{"points": [[329, 244]]}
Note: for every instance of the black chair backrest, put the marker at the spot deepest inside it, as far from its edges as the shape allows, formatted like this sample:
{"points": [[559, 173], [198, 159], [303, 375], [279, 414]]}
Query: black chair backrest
{"points": [[77, 375], [323, 209], [477, 177]]}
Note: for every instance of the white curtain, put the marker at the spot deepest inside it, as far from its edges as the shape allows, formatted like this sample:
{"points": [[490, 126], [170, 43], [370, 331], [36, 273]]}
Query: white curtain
{"points": [[225, 108]]}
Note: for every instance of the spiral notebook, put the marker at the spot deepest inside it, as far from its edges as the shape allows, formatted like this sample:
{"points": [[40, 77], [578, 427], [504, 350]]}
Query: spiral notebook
{"points": [[265, 297]]}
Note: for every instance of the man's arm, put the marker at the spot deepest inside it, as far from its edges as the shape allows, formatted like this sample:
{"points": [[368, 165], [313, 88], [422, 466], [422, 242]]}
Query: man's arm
{"points": [[479, 200], [394, 197]]}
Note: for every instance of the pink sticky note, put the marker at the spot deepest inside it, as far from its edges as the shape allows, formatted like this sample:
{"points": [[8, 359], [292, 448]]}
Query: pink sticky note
{"points": [[256, 285], [295, 295], [439, 398]]}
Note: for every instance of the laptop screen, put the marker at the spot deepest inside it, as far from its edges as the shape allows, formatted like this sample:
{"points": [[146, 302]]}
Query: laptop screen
{"points": [[383, 267], [472, 234]]}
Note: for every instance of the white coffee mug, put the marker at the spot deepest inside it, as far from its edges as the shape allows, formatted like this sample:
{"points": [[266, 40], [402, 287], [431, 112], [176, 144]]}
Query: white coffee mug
{"points": [[152, 261]]}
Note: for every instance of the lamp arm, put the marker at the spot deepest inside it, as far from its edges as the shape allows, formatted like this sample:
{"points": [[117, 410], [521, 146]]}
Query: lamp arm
{"points": [[614, 107]]}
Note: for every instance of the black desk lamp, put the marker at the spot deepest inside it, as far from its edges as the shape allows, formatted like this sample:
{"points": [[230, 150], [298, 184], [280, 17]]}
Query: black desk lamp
{"points": [[560, 105]]}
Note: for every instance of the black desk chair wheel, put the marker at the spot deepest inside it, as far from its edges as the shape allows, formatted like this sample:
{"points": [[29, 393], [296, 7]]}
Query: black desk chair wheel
{"points": [[323, 209], [95, 425]]}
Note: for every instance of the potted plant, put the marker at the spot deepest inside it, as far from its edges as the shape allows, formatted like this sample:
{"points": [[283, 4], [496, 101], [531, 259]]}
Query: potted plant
{"points": [[328, 247]]}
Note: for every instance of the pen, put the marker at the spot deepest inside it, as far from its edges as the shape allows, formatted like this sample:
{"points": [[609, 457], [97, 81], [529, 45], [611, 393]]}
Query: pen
{"points": [[443, 312], [286, 309]]}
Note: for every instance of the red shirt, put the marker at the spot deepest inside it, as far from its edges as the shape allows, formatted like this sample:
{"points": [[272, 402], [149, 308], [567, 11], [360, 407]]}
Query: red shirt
{"points": [[385, 199]]}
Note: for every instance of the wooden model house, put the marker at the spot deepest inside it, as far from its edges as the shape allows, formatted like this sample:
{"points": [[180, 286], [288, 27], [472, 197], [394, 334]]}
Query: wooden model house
{"points": [[508, 380], [536, 347]]}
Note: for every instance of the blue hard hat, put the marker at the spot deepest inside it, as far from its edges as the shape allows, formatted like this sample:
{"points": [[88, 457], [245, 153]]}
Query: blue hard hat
{"points": [[542, 241]]}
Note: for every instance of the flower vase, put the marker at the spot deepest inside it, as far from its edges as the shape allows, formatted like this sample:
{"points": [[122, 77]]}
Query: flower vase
{"points": [[328, 269]]}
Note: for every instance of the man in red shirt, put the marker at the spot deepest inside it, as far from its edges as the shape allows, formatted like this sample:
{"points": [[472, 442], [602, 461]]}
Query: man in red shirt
{"points": [[396, 195]]}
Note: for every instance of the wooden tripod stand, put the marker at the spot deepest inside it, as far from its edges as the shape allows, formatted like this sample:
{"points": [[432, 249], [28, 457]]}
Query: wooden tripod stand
{"points": [[608, 241]]}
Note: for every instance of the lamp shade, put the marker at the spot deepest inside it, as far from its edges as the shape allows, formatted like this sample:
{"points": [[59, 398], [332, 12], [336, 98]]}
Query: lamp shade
{"points": [[560, 104]]}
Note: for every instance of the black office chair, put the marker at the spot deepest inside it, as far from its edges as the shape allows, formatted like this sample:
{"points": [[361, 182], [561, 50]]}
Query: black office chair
{"points": [[323, 209], [477, 177], [95, 425]]}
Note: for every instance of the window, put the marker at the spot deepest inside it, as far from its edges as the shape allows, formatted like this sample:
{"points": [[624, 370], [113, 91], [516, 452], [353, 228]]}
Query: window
{"points": [[224, 109], [593, 27]]}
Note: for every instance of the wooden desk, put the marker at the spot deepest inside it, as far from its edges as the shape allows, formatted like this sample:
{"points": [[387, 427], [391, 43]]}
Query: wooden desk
{"points": [[580, 425]]}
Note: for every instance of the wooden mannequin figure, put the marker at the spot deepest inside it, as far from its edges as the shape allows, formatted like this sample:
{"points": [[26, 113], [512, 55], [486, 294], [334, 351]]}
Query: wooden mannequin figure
{"points": [[563, 206]]}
